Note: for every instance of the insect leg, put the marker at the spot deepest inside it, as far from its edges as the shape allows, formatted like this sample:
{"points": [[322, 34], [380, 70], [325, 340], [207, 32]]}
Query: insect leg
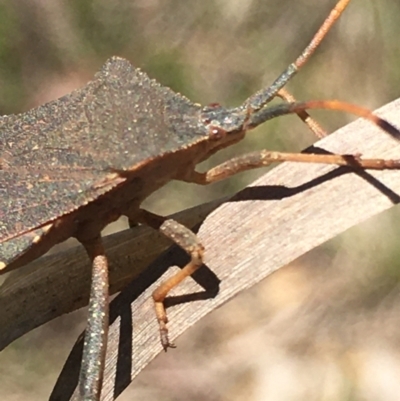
{"points": [[188, 241], [262, 158], [95, 343], [312, 124]]}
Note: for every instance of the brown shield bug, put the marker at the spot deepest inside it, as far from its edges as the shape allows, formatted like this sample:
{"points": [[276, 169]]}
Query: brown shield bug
{"points": [[74, 165]]}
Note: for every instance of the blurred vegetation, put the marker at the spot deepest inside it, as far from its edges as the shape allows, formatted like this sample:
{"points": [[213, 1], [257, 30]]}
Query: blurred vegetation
{"points": [[223, 51]]}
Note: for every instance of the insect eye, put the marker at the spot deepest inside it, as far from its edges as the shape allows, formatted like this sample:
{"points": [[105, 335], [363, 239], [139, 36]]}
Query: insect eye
{"points": [[216, 132]]}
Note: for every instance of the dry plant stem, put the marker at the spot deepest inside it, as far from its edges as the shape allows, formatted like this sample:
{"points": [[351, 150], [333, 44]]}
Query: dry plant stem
{"points": [[271, 223]]}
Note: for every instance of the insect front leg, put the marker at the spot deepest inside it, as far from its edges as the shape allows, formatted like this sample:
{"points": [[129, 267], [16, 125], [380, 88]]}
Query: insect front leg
{"points": [[312, 124], [189, 242], [262, 158], [95, 343]]}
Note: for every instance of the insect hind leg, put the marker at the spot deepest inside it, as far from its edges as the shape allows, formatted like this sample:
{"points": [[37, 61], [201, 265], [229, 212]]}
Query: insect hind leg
{"points": [[95, 342]]}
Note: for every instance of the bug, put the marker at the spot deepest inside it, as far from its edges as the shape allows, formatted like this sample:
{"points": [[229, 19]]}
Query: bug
{"points": [[72, 166]]}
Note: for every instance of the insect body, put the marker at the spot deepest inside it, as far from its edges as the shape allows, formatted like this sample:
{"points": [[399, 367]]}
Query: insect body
{"points": [[74, 165], [67, 153]]}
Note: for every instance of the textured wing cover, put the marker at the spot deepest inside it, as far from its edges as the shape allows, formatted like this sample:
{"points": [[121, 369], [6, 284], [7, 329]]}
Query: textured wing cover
{"points": [[52, 157]]}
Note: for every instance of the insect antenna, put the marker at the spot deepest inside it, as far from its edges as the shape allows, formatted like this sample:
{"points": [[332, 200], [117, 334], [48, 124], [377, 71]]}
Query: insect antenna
{"points": [[269, 113], [265, 95]]}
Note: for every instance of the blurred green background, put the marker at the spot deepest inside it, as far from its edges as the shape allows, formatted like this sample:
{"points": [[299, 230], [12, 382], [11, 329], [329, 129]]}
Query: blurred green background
{"points": [[325, 328]]}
